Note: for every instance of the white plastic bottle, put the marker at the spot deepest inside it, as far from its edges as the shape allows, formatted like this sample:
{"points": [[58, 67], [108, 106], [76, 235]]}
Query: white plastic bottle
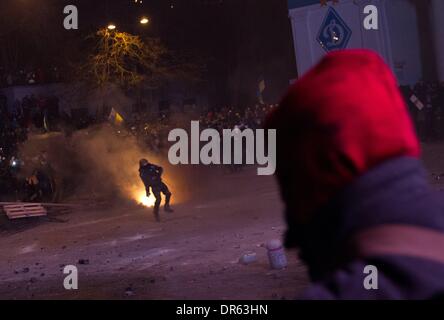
{"points": [[276, 254]]}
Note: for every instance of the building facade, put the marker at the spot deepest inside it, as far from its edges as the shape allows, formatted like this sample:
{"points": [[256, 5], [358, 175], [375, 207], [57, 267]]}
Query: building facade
{"points": [[410, 34]]}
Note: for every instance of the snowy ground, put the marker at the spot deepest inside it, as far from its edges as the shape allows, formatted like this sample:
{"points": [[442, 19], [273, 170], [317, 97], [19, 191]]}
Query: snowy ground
{"points": [[192, 254]]}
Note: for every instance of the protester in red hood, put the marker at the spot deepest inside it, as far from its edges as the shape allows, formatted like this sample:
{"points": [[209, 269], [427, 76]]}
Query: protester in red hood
{"points": [[356, 193]]}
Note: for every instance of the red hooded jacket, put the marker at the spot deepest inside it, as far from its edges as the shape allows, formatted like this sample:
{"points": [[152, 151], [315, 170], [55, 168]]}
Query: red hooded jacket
{"points": [[341, 119]]}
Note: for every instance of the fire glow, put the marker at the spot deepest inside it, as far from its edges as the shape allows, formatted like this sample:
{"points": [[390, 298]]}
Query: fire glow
{"points": [[142, 199]]}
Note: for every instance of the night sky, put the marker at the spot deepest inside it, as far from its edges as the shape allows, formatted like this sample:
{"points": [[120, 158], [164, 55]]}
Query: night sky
{"points": [[241, 40]]}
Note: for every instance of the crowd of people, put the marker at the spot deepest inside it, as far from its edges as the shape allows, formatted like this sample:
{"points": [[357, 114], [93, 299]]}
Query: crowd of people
{"points": [[41, 115], [12, 134], [425, 102], [153, 133], [36, 112], [228, 118], [29, 76], [32, 113]]}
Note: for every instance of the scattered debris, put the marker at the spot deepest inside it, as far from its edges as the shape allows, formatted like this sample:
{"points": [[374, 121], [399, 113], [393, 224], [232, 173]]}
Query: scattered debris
{"points": [[24, 270], [24, 210], [248, 258], [18, 210], [129, 291]]}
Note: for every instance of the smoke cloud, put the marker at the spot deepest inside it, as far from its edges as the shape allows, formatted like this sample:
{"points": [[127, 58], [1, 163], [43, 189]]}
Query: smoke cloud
{"points": [[101, 163]]}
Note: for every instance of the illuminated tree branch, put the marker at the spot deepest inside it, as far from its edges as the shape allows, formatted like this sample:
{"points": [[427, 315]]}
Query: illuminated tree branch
{"points": [[127, 60]]}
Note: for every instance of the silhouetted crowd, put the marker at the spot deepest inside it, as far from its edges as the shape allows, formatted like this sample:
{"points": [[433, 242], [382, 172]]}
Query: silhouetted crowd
{"points": [[229, 118], [41, 114], [29, 76], [151, 133], [37, 113], [12, 133]]}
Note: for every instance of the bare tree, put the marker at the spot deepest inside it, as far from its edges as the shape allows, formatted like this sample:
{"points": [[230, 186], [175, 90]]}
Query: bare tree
{"points": [[123, 59]]}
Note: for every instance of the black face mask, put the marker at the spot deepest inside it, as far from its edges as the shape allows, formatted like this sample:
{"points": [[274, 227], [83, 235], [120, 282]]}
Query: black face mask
{"points": [[318, 241], [293, 233]]}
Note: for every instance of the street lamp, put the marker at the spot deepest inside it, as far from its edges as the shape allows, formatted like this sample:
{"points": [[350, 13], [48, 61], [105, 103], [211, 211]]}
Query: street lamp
{"points": [[144, 20]]}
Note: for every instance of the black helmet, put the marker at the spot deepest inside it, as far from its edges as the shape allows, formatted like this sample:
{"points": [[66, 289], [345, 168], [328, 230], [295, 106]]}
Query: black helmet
{"points": [[143, 162]]}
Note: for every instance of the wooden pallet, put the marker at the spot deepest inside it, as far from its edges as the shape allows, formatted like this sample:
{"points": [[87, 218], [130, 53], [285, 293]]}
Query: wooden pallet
{"points": [[24, 210]]}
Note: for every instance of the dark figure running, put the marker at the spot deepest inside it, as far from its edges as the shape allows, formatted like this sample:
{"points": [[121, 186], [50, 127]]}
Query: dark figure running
{"points": [[151, 176]]}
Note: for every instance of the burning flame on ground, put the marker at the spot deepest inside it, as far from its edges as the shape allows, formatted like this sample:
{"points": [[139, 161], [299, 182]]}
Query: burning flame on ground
{"points": [[141, 198]]}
